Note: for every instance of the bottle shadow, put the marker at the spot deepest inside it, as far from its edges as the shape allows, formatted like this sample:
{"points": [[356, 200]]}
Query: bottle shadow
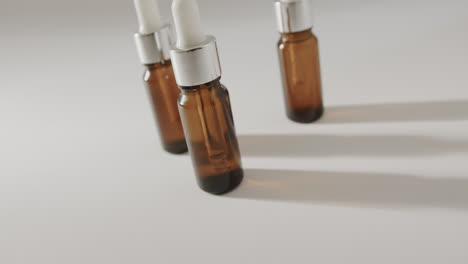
{"points": [[397, 112], [372, 190], [333, 145]]}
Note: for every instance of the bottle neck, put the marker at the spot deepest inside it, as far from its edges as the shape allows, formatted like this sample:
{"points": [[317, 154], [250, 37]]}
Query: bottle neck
{"points": [[153, 66], [297, 36], [207, 85]]}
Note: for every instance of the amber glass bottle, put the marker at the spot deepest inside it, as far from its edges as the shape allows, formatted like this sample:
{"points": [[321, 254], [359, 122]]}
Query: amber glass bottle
{"points": [[162, 87], [211, 137], [300, 68], [204, 104]]}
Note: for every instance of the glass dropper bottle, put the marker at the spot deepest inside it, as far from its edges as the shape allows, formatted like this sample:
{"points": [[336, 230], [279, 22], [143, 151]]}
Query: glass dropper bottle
{"points": [[153, 42], [204, 103], [299, 61]]}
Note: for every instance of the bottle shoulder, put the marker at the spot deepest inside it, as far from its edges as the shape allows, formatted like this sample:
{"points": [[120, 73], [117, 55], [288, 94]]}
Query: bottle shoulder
{"points": [[297, 37], [156, 70], [213, 85], [196, 94]]}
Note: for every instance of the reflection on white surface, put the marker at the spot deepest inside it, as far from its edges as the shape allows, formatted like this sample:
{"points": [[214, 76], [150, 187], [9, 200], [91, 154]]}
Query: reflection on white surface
{"points": [[361, 189], [398, 112], [353, 146]]}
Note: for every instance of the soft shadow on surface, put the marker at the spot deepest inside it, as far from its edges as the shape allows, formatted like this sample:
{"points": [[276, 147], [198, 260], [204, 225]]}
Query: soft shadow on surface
{"points": [[332, 145], [372, 190], [397, 112]]}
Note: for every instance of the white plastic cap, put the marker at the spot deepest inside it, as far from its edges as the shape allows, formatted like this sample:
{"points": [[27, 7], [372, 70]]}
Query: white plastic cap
{"points": [[187, 24], [149, 16]]}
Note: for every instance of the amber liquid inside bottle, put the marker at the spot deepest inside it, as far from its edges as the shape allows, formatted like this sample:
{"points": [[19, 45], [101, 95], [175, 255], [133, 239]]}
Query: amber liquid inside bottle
{"points": [[300, 69], [160, 81], [209, 128]]}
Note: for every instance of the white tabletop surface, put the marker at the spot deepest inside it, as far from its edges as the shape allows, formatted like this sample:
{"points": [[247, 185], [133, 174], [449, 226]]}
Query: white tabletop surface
{"points": [[383, 178]]}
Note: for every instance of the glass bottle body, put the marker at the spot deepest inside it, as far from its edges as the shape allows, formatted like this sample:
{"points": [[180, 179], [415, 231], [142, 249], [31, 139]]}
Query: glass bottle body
{"points": [[300, 70], [160, 82], [211, 138]]}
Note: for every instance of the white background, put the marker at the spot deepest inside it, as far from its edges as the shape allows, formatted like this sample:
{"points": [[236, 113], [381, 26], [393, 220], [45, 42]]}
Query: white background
{"points": [[383, 178]]}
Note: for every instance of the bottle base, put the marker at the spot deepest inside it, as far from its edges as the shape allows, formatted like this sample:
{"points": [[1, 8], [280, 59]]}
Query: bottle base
{"points": [[221, 183], [306, 116], [178, 147]]}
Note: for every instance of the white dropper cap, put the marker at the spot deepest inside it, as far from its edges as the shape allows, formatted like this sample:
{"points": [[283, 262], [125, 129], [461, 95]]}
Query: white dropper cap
{"points": [[149, 16], [187, 24]]}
